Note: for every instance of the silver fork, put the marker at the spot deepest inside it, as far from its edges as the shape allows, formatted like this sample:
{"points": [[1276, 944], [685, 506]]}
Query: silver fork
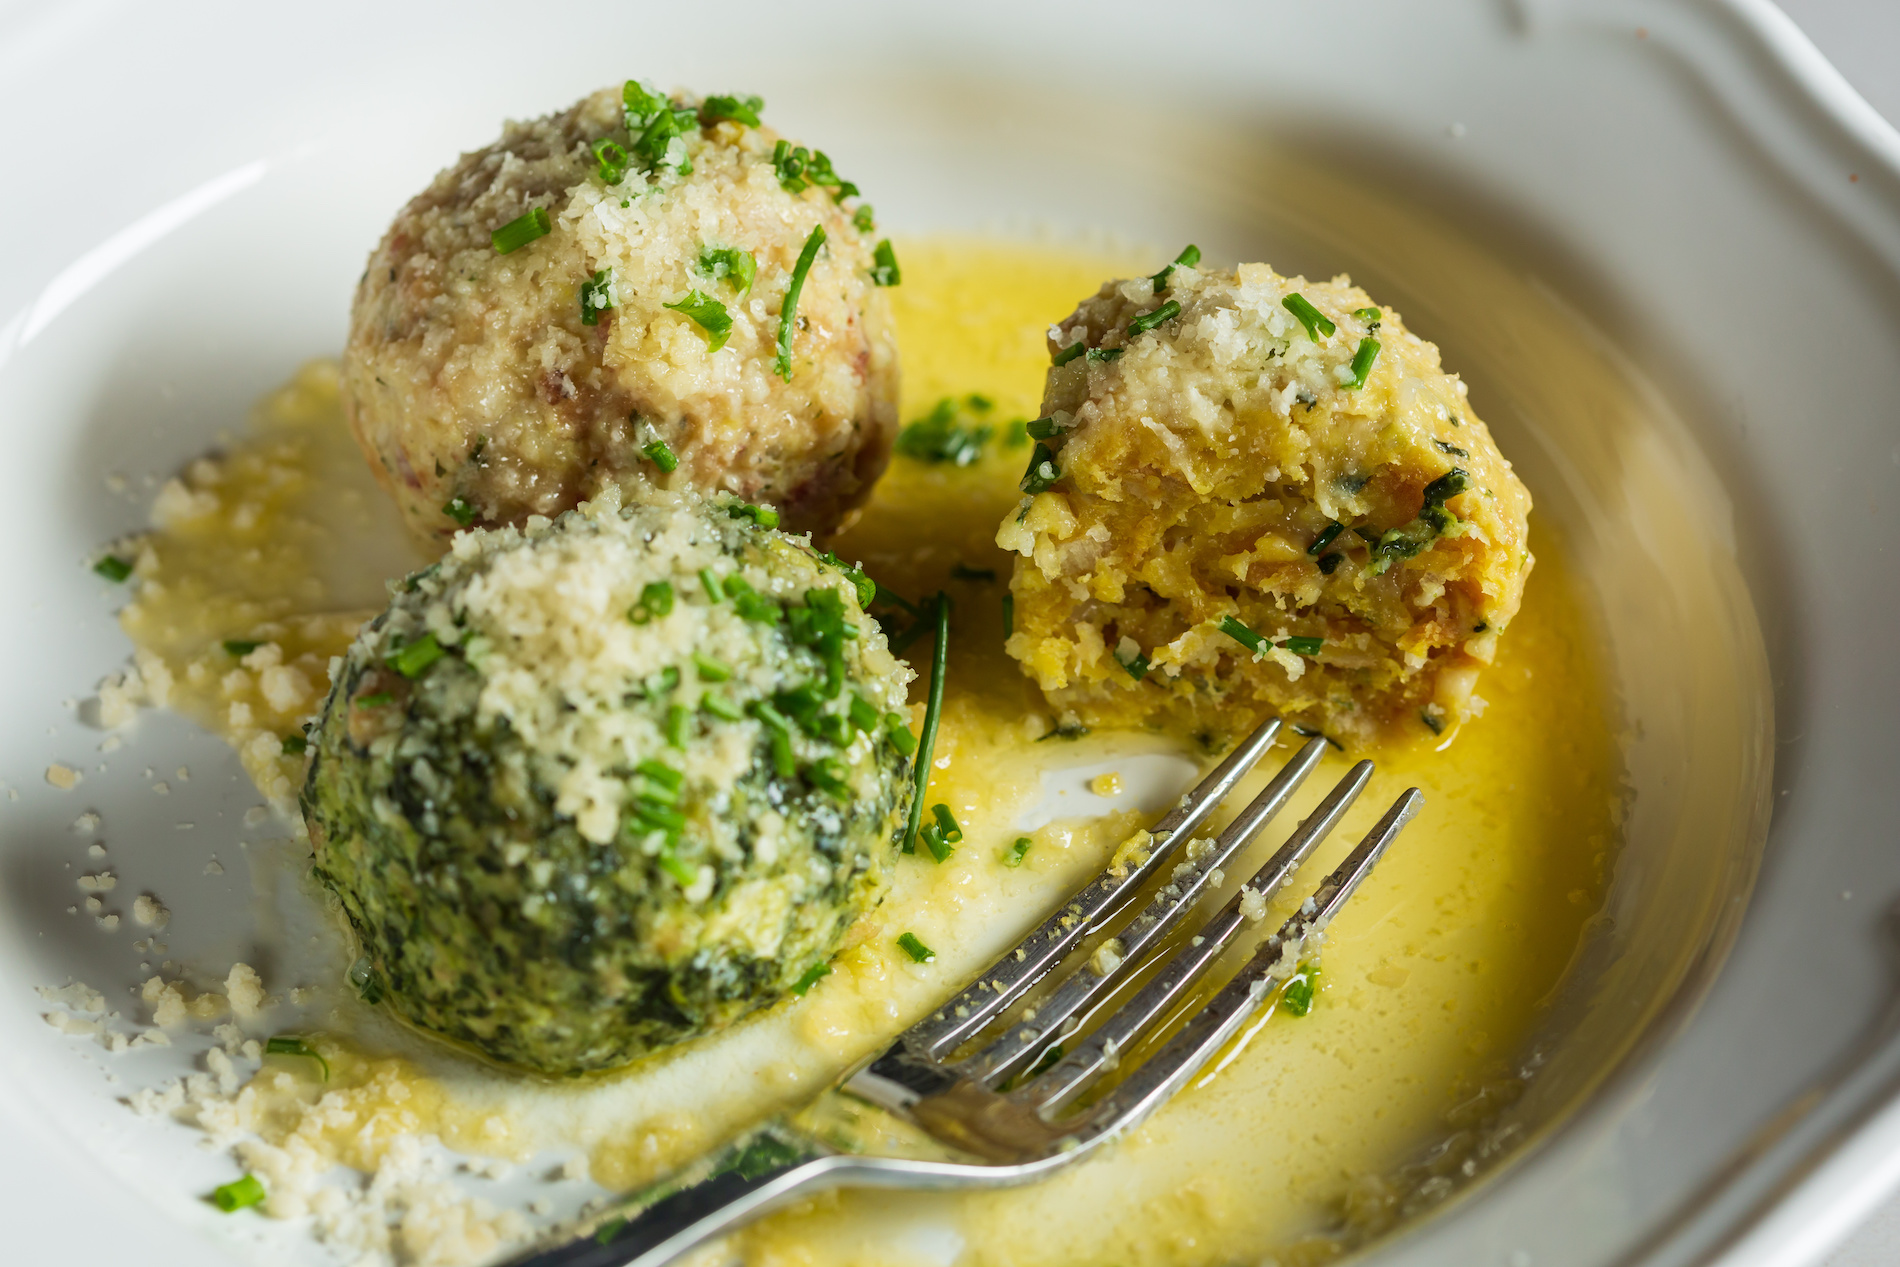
{"points": [[1015, 1111]]}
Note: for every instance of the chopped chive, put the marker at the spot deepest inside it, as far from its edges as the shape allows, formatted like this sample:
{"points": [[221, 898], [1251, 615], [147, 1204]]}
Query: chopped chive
{"points": [[899, 730], [788, 309], [1446, 447], [639, 104], [1106, 354], [238, 648], [1302, 646], [1069, 353], [1327, 536], [1315, 321], [1362, 362], [1297, 995], [828, 776], [239, 1193], [1432, 722], [375, 699], [412, 658], [721, 707], [291, 1045], [935, 841], [1048, 1061], [739, 109], [730, 264], [784, 760], [1042, 473], [863, 713], [862, 219], [1065, 730], [676, 718], [1013, 856], [884, 270], [661, 455], [812, 976], [671, 863], [1137, 667], [708, 314], [1149, 320], [933, 712], [1009, 615], [610, 161], [295, 745], [458, 509], [597, 295], [1242, 634], [656, 600], [764, 516], [945, 434], [1373, 315], [789, 163], [964, 572], [519, 232], [918, 952], [711, 582], [1186, 259], [946, 822], [1329, 563], [113, 568], [709, 669], [1043, 429], [610, 1229]]}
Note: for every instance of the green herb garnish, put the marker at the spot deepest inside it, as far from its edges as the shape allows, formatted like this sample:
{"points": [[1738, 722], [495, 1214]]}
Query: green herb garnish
{"points": [[739, 109], [1069, 353], [1186, 259], [862, 220], [597, 295], [713, 589], [411, 659], [610, 161], [238, 648], [788, 309], [1105, 355], [1373, 315], [933, 713], [661, 455], [1362, 363], [519, 232], [1043, 428], [1064, 730], [899, 732], [730, 264], [812, 976], [1149, 320], [708, 314], [656, 601], [1013, 856], [237, 1194], [1315, 321], [375, 699], [719, 706], [1042, 473], [884, 269], [1326, 537], [1302, 646], [291, 1045], [1432, 722], [828, 776], [918, 952], [764, 516], [1297, 996], [1446, 447], [113, 568], [1136, 665], [459, 509], [1329, 563], [1240, 633], [709, 669], [677, 716], [945, 434], [295, 745]]}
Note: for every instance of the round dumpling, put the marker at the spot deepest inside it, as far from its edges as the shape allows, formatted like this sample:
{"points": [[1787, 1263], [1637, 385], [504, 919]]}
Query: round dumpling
{"points": [[1258, 494], [637, 290], [597, 785]]}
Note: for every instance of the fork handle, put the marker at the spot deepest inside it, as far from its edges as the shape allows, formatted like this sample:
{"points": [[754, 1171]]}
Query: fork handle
{"points": [[740, 1186]]}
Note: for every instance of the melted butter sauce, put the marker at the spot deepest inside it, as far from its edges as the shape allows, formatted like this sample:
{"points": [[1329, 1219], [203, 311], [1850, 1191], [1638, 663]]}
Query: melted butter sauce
{"points": [[1298, 1137]]}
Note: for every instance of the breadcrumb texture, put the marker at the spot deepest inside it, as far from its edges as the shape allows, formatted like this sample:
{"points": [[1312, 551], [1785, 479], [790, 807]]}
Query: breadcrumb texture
{"points": [[470, 374], [566, 836], [1194, 475]]}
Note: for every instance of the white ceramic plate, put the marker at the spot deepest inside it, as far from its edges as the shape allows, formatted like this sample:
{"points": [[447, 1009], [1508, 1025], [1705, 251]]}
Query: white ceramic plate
{"points": [[1682, 189]]}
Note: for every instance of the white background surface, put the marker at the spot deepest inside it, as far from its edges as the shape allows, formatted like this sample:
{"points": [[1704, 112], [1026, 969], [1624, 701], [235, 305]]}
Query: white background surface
{"points": [[1862, 38]]}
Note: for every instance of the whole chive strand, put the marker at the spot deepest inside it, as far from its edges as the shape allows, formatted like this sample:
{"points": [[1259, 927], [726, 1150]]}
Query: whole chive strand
{"points": [[933, 713], [788, 310]]}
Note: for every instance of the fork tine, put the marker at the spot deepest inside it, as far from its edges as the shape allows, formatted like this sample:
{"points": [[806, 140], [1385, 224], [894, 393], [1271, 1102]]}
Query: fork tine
{"points": [[1030, 960], [1160, 1076], [1098, 1054], [1058, 1014]]}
